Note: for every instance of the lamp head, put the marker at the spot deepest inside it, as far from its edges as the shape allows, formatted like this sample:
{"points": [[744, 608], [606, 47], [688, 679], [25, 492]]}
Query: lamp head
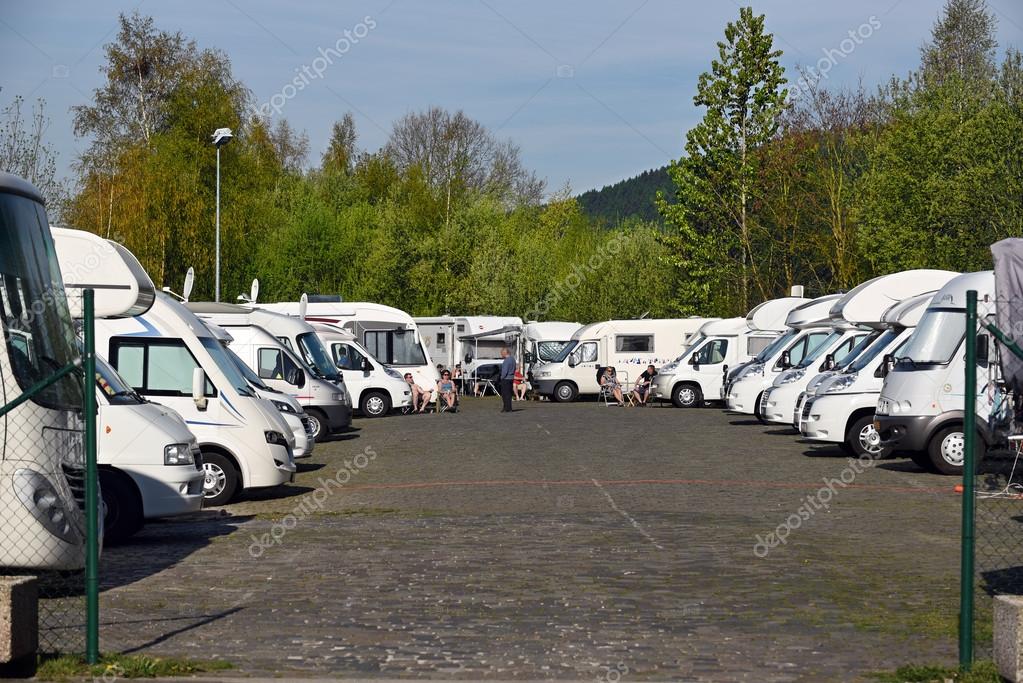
{"points": [[222, 136]]}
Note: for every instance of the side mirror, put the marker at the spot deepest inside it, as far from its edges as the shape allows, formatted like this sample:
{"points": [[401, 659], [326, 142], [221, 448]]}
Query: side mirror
{"points": [[888, 364], [572, 361], [983, 349], [365, 365], [293, 376], [786, 360], [528, 358], [692, 360], [829, 362], [724, 371], [199, 388]]}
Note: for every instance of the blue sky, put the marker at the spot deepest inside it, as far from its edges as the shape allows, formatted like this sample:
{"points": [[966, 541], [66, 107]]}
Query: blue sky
{"points": [[593, 92]]}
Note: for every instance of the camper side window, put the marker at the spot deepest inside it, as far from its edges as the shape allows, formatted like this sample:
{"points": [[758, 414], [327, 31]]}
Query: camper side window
{"points": [[347, 357], [587, 353], [274, 364], [157, 368], [440, 339], [712, 353], [634, 343]]}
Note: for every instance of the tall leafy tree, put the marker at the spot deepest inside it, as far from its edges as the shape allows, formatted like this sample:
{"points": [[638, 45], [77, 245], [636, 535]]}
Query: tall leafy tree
{"points": [[744, 95]]}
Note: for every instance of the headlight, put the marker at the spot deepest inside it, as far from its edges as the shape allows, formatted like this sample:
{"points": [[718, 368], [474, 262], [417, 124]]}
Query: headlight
{"points": [[178, 454], [882, 407], [840, 384], [392, 373], [545, 373], [283, 407], [340, 397], [275, 438], [751, 371], [792, 376]]}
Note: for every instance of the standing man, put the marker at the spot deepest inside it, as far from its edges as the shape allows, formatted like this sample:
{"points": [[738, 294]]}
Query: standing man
{"points": [[507, 379]]}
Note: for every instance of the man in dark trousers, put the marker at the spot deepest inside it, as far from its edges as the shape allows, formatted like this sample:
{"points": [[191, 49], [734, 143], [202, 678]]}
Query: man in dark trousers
{"points": [[507, 378]]}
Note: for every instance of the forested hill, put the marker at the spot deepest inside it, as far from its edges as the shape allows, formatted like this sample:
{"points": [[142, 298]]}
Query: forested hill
{"points": [[633, 197]]}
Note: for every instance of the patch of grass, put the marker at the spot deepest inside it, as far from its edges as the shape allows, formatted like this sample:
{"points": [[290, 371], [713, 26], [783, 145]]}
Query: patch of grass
{"points": [[982, 672], [66, 667]]}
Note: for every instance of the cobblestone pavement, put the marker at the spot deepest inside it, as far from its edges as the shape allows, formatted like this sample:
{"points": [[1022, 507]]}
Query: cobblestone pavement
{"points": [[561, 541]]}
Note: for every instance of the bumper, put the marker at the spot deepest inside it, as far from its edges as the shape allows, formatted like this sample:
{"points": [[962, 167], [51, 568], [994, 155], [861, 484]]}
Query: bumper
{"points": [[167, 490], [304, 441], [824, 418], [906, 432], [275, 470], [339, 417], [780, 403], [544, 387], [401, 399], [742, 397]]}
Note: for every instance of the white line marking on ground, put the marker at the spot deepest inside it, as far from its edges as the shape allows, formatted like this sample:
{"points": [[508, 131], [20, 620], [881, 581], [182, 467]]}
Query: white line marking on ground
{"points": [[626, 515]]}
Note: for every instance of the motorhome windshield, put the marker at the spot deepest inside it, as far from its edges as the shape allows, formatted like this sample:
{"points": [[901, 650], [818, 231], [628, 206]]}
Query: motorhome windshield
{"points": [[37, 325], [874, 350], [565, 352], [549, 350], [691, 349], [395, 347], [937, 337], [248, 373], [819, 350], [864, 343], [775, 346], [316, 356], [113, 386], [226, 365]]}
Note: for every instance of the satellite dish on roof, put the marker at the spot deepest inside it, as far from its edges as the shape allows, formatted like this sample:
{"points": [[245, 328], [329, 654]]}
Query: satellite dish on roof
{"points": [[253, 294], [186, 289], [303, 304]]}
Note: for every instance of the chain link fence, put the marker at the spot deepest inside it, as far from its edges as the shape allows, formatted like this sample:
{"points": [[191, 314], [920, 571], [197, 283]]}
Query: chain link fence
{"points": [[43, 469]]}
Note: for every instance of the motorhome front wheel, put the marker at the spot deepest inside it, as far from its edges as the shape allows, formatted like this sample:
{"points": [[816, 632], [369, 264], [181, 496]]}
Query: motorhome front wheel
{"points": [[375, 404], [687, 396], [862, 439], [220, 480], [565, 392], [947, 450]]}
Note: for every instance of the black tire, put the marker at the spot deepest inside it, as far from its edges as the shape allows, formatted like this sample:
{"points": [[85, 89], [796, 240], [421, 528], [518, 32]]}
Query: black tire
{"points": [[686, 395], [946, 450], [756, 409], [221, 480], [122, 507], [375, 404], [861, 439], [319, 423], [565, 392]]}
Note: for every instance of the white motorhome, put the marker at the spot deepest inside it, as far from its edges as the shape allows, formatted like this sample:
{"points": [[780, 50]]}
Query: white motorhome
{"points": [[698, 375], [839, 408], [920, 409], [263, 340], [286, 404], [474, 341], [627, 345], [856, 324], [541, 342], [389, 334], [169, 355], [808, 327], [375, 388], [149, 464], [42, 521]]}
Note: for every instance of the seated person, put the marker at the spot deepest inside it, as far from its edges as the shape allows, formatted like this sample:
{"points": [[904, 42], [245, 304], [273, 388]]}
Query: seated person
{"points": [[446, 389], [420, 396], [642, 390], [609, 380], [519, 384]]}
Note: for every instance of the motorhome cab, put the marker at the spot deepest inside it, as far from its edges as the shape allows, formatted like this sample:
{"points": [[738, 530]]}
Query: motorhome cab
{"points": [[541, 342], [920, 409], [263, 340], [42, 521], [808, 327], [149, 464], [375, 388], [699, 373], [286, 404], [389, 334], [169, 355], [628, 345], [840, 408], [473, 341]]}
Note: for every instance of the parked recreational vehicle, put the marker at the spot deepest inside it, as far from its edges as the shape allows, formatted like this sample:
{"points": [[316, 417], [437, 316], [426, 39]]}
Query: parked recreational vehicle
{"points": [[840, 407], [628, 345], [920, 409], [42, 517], [808, 326], [272, 344], [541, 342], [389, 334], [699, 373], [149, 464], [473, 341], [169, 355], [375, 388]]}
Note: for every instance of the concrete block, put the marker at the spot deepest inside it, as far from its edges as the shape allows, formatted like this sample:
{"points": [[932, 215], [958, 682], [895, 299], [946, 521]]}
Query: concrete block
{"points": [[19, 617]]}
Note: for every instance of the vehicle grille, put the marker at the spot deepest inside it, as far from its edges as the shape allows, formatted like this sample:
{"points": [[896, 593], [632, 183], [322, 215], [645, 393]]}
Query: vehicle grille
{"points": [[805, 415], [763, 402], [798, 410], [308, 426]]}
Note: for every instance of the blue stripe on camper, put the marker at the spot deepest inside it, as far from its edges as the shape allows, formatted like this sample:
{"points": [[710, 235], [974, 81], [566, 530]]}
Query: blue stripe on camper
{"points": [[231, 406], [209, 424]]}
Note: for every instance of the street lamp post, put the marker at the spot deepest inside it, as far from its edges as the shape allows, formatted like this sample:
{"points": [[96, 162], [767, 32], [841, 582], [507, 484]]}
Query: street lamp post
{"points": [[221, 136]]}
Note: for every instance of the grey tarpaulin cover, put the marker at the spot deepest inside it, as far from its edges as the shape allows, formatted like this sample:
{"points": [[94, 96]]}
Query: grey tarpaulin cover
{"points": [[1008, 255]]}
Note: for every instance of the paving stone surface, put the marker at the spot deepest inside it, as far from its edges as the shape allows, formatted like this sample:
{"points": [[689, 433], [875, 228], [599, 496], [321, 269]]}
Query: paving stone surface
{"points": [[560, 541]]}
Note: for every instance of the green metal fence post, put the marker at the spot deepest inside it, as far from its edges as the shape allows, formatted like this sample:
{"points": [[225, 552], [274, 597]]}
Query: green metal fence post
{"points": [[91, 485], [969, 436]]}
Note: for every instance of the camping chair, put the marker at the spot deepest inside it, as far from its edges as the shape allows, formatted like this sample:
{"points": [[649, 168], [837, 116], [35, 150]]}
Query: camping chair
{"points": [[442, 405]]}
